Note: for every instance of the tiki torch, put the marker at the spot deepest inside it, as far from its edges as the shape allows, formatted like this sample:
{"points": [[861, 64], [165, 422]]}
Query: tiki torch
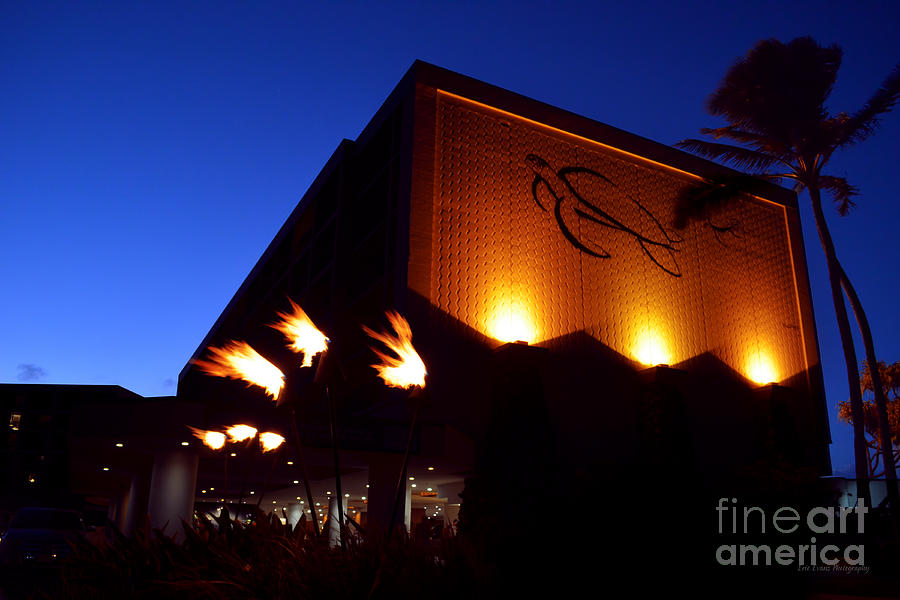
{"points": [[306, 339], [214, 440], [237, 434], [269, 441], [238, 360], [404, 369]]}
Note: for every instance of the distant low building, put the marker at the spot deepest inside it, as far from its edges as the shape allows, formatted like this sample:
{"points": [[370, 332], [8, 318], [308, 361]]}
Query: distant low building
{"points": [[94, 448]]}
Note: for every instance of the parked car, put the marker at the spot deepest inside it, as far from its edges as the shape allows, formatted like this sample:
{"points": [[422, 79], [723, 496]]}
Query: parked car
{"points": [[40, 536]]}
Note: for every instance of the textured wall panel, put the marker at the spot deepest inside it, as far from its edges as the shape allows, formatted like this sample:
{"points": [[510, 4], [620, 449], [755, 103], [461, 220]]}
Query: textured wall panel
{"points": [[589, 247]]}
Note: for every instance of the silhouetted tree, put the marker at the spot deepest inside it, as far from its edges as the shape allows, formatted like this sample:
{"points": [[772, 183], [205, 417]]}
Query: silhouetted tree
{"points": [[774, 101]]}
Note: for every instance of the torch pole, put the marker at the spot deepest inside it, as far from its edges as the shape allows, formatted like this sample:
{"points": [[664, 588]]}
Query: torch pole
{"points": [[225, 482], [247, 470], [262, 492], [401, 480], [309, 496], [337, 469]]}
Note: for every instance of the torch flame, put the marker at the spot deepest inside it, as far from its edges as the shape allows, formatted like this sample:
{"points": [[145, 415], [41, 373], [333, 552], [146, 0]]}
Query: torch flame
{"points": [[406, 370], [238, 360], [239, 433], [302, 334], [213, 439], [270, 441]]}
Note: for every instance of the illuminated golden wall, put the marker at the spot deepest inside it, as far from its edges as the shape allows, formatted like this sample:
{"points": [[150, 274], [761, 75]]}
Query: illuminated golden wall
{"points": [[538, 234]]}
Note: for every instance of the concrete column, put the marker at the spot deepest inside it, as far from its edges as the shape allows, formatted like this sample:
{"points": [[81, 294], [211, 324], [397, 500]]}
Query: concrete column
{"points": [[451, 492], [407, 508], [383, 472], [294, 512], [114, 510], [173, 485], [133, 504], [333, 525]]}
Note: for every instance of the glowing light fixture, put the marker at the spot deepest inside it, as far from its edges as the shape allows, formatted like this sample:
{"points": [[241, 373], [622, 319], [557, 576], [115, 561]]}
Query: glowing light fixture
{"points": [[512, 322], [650, 348], [761, 369]]}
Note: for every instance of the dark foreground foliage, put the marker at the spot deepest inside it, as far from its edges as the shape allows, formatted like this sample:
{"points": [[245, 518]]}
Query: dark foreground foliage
{"points": [[265, 559]]}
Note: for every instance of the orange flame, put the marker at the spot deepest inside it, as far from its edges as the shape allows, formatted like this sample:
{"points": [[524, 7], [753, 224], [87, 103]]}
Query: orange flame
{"points": [[302, 334], [238, 360], [406, 370], [270, 441], [239, 433], [213, 439]]}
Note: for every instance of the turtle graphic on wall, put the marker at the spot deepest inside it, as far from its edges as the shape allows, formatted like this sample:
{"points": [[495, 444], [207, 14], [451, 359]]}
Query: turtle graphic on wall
{"points": [[588, 223]]}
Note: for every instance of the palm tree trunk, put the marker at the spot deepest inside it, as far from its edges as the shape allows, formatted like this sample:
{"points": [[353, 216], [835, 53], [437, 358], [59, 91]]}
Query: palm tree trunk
{"points": [[884, 424], [840, 310]]}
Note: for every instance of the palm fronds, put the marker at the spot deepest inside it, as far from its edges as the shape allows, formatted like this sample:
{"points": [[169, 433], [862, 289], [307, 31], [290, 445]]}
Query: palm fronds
{"points": [[778, 87], [841, 190], [742, 158], [863, 122]]}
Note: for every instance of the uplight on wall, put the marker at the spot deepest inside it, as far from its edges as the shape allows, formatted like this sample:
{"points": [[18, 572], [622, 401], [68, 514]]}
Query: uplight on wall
{"points": [[760, 369], [650, 348], [512, 322]]}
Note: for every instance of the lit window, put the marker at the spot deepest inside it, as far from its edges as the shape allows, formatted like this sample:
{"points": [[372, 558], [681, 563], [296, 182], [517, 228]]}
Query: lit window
{"points": [[15, 419]]}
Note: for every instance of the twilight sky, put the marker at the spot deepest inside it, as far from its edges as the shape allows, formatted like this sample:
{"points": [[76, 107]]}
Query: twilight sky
{"points": [[152, 150]]}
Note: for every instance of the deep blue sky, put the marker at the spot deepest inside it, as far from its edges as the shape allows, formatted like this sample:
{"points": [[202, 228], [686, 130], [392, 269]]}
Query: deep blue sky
{"points": [[151, 150]]}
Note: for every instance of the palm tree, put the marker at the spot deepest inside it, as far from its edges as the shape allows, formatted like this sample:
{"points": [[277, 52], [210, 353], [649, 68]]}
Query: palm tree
{"points": [[774, 102]]}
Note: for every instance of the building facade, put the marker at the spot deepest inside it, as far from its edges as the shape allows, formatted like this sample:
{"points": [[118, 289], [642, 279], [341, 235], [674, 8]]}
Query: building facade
{"points": [[552, 299]]}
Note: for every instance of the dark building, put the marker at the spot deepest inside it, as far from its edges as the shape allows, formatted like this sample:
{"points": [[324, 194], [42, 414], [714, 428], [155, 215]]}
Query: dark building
{"points": [[492, 221], [95, 448]]}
